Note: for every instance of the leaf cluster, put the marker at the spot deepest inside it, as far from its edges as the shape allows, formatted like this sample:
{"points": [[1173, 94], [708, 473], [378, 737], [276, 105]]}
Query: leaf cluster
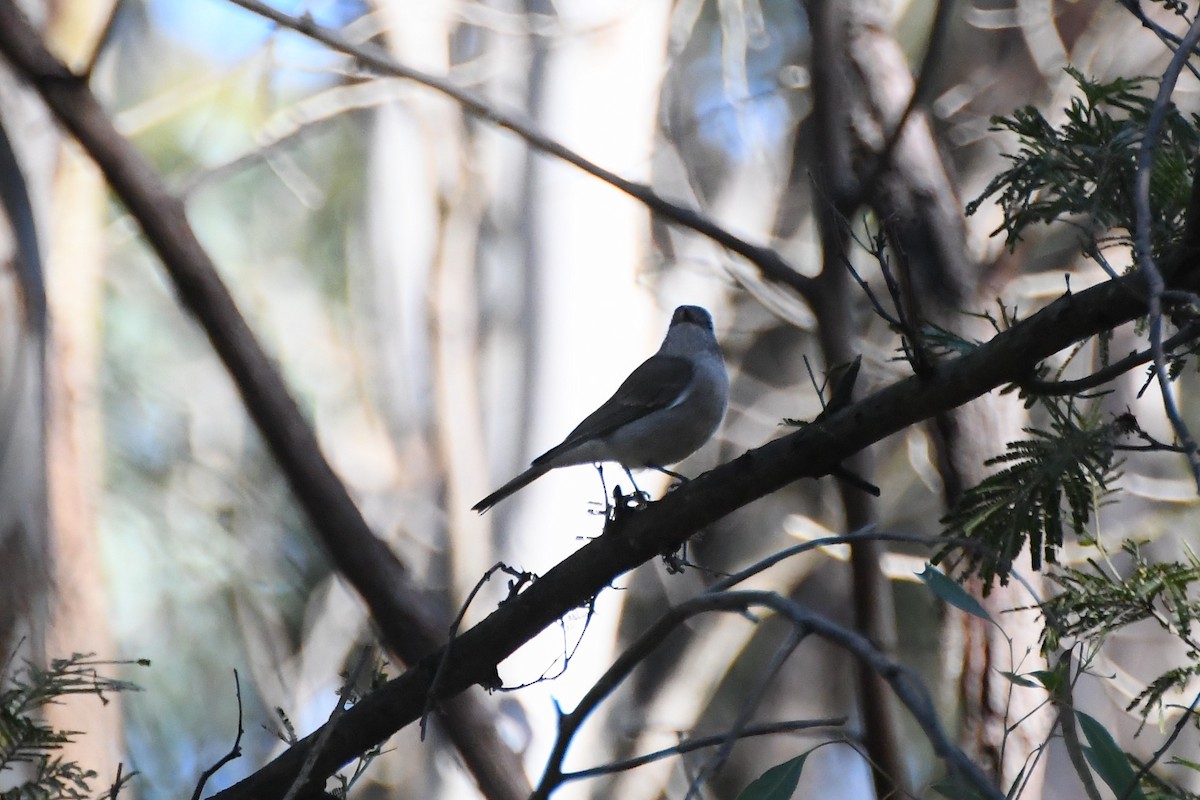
{"points": [[1067, 466], [1083, 171], [1096, 601], [27, 741]]}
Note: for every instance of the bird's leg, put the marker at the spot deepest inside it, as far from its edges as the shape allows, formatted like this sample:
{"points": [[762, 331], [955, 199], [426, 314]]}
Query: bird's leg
{"points": [[638, 494], [603, 488], [677, 561], [680, 478]]}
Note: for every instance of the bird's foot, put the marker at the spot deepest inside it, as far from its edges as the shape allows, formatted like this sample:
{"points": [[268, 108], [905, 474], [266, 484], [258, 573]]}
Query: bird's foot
{"points": [[677, 561], [630, 502], [680, 479]]}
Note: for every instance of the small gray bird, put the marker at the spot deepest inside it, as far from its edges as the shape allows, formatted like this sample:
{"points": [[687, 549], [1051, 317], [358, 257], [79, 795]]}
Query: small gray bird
{"points": [[663, 412]]}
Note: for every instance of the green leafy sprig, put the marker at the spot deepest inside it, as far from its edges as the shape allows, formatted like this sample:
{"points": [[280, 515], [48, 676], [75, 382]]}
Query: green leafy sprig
{"points": [[1083, 171], [1066, 467]]}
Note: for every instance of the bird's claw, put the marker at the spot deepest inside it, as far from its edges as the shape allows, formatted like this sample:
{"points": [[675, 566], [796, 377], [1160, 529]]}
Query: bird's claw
{"points": [[637, 500]]}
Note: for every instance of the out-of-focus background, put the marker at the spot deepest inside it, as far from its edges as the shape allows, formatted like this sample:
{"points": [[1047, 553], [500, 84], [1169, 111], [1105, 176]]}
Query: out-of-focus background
{"points": [[445, 305]]}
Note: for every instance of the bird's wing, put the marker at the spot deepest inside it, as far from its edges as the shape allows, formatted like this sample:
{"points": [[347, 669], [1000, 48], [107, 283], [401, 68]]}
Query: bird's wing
{"points": [[658, 383]]}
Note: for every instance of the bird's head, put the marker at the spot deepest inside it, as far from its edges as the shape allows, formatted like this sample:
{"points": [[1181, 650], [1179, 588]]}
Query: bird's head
{"points": [[693, 315]]}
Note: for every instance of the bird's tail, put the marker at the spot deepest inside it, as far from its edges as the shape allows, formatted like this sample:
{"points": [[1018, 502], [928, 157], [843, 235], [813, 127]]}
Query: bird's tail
{"points": [[516, 484]]}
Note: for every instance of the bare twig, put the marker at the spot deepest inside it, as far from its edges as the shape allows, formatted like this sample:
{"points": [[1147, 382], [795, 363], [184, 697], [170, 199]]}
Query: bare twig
{"points": [[513, 589], [694, 743], [347, 688], [880, 311], [748, 706], [1168, 38], [904, 682], [119, 782], [234, 752], [1112, 371], [1144, 770], [102, 40], [569, 652]]}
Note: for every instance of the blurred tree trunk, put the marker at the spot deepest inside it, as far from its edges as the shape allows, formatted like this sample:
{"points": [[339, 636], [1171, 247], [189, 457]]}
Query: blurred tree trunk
{"points": [[25, 550], [53, 577], [862, 86]]}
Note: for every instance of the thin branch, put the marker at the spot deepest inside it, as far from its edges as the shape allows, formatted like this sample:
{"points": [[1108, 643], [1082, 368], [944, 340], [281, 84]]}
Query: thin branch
{"points": [[770, 263], [119, 782], [905, 683], [749, 705], [352, 677], [700, 742], [513, 588], [1162, 751], [1110, 372], [880, 311], [1168, 38], [634, 654], [1155, 284], [234, 752], [868, 533], [102, 40]]}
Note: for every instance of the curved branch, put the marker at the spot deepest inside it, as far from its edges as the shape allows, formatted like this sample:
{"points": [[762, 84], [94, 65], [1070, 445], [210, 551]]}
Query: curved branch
{"points": [[904, 682], [701, 742], [1155, 282], [1110, 372]]}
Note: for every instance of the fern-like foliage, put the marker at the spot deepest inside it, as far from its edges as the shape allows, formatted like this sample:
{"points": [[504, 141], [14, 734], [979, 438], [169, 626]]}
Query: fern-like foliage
{"points": [[1084, 170], [1096, 601], [1066, 466], [27, 742]]}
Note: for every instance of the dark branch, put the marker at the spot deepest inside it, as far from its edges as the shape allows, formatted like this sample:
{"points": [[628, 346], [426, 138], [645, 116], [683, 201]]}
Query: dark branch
{"points": [[701, 742], [1110, 372], [234, 752]]}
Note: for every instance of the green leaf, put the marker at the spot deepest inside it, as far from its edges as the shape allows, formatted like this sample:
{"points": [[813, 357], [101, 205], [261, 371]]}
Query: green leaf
{"points": [[1021, 680], [1108, 760], [952, 593], [777, 783], [1041, 487], [1050, 679]]}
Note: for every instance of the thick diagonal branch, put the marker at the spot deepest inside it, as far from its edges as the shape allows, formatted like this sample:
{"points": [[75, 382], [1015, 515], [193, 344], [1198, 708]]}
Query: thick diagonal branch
{"points": [[810, 452]]}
